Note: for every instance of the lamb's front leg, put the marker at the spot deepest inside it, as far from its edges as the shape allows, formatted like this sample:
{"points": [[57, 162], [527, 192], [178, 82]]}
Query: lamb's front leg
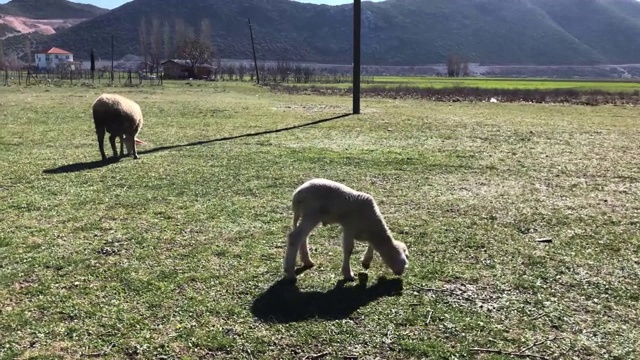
{"points": [[347, 249], [294, 240], [367, 257]]}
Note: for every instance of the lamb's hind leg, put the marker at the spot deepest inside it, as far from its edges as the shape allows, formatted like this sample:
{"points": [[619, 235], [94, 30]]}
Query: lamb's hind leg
{"points": [[304, 254], [367, 257], [296, 238]]}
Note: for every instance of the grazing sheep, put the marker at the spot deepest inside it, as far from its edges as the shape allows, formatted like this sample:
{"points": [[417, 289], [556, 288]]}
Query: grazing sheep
{"points": [[121, 118], [328, 202]]}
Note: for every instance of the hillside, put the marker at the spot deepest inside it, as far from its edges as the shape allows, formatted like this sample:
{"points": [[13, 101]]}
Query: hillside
{"points": [[50, 9], [395, 32]]}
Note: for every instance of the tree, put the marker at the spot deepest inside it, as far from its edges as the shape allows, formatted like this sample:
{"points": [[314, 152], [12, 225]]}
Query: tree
{"points": [[142, 32], [195, 51], [457, 66], [27, 50], [93, 65], [2, 63], [156, 44], [180, 34], [206, 35], [166, 36]]}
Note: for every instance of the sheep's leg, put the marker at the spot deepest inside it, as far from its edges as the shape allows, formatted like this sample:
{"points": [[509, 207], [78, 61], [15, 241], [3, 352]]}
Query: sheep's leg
{"points": [[101, 132], [348, 239], [121, 137], [132, 143], [294, 240], [112, 141], [367, 257]]}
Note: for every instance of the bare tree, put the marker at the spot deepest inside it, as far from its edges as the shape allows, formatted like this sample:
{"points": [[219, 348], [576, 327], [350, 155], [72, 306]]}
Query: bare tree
{"points": [[2, 58], [142, 32], [283, 70], [205, 31], [156, 44], [465, 69], [27, 50], [242, 71], [457, 66], [194, 50], [166, 36], [180, 34], [206, 35]]}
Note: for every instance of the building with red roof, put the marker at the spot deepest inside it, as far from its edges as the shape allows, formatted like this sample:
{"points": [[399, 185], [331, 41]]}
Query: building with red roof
{"points": [[51, 57]]}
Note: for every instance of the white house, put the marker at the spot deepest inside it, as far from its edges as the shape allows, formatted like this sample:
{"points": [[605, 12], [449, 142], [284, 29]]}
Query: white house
{"points": [[48, 59]]}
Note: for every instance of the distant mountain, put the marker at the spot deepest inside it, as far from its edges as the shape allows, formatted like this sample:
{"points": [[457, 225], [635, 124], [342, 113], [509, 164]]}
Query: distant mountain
{"points": [[395, 32], [50, 9]]}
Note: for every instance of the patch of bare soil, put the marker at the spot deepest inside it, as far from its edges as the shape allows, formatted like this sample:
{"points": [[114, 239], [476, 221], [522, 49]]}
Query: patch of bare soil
{"points": [[23, 25]]}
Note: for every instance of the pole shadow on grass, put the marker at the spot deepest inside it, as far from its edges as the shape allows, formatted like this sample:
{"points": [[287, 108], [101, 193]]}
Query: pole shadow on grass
{"points": [[99, 163], [234, 137], [284, 302]]}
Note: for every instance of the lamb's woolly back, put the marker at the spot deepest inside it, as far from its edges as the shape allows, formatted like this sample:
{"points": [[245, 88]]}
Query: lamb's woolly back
{"points": [[120, 117], [127, 108], [338, 203]]}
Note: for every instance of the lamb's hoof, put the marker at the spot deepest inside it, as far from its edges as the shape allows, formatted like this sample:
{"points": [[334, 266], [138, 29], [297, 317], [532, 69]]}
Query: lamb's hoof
{"points": [[349, 277], [366, 265], [290, 275], [136, 157], [308, 264]]}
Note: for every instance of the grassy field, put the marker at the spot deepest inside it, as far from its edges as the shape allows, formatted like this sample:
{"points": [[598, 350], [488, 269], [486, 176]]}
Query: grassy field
{"points": [[496, 83], [179, 254]]}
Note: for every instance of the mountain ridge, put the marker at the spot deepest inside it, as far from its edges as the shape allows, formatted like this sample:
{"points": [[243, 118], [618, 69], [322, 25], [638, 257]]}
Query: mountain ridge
{"points": [[395, 32], [50, 9]]}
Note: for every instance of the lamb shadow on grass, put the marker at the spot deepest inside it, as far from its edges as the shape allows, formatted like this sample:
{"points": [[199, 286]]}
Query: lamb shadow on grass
{"points": [[234, 137], [82, 166], [284, 302]]}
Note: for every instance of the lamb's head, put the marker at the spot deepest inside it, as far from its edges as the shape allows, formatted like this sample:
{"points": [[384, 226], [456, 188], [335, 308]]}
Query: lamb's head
{"points": [[396, 256], [128, 143]]}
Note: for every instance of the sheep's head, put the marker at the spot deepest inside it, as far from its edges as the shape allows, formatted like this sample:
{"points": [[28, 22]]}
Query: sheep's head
{"points": [[396, 256], [128, 143]]}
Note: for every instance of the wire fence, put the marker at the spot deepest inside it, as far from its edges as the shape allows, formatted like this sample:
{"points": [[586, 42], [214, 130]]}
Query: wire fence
{"points": [[79, 77]]}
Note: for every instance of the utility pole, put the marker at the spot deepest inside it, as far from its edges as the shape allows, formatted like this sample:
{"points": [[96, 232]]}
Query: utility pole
{"points": [[357, 23], [253, 46], [112, 79]]}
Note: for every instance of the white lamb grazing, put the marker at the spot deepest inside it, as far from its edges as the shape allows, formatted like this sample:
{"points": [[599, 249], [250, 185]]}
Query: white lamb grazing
{"points": [[329, 202]]}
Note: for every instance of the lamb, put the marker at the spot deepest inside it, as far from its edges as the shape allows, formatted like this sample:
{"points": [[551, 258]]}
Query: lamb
{"points": [[322, 201], [121, 118]]}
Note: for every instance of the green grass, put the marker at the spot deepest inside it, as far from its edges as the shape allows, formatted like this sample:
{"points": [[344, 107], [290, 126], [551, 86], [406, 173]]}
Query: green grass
{"points": [[178, 254], [495, 83]]}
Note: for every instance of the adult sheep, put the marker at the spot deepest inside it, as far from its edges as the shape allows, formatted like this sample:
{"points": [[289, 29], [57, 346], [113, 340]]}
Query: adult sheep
{"points": [[121, 118], [322, 201]]}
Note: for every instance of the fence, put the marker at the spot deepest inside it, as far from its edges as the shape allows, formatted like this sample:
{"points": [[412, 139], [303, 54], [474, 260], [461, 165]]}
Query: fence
{"points": [[79, 77], [224, 72]]}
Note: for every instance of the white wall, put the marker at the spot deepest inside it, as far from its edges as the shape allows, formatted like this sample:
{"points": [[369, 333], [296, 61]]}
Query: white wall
{"points": [[51, 60]]}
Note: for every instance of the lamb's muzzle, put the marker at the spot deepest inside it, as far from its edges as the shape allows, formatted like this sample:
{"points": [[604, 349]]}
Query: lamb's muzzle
{"points": [[322, 201]]}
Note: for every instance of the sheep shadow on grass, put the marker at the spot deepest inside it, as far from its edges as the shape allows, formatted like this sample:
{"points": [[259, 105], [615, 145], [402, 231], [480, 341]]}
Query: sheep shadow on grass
{"points": [[284, 302], [82, 166]]}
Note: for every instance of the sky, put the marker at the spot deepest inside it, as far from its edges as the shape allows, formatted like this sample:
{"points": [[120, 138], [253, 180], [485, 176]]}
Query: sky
{"points": [[110, 4]]}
